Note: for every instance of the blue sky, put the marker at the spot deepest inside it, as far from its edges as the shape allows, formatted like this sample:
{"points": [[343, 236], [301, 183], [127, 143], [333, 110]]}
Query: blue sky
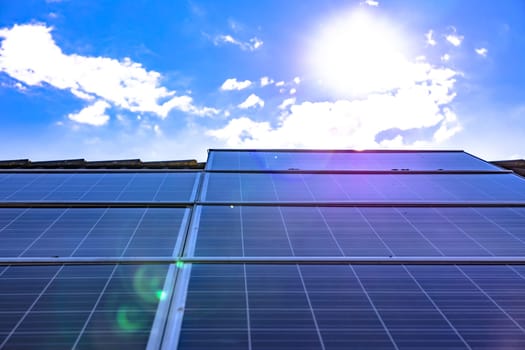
{"points": [[161, 80]]}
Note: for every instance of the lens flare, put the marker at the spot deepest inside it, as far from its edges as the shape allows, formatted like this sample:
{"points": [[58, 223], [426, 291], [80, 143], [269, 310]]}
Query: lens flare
{"points": [[146, 283], [161, 295], [125, 320], [358, 52]]}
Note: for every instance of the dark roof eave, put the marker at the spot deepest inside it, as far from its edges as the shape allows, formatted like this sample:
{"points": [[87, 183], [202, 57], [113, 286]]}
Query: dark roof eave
{"points": [[105, 164]]}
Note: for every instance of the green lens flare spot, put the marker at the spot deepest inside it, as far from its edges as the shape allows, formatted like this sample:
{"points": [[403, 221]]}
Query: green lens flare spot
{"points": [[125, 321], [146, 284], [179, 264], [161, 295]]}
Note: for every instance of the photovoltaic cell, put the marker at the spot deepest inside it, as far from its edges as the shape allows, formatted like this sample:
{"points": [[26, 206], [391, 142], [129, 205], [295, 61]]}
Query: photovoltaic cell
{"points": [[95, 232], [97, 187], [346, 231], [378, 188], [80, 307], [347, 307], [344, 161]]}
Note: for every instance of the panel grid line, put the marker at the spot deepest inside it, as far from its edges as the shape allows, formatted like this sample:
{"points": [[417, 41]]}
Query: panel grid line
{"points": [[89, 232], [57, 187], [23, 187], [245, 276], [159, 186], [420, 233], [314, 318], [26, 313], [43, 233], [501, 227], [438, 309], [475, 241], [376, 311], [92, 186], [324, 220], [319, 335], [491, 299], [14, 220], [95, 305]]}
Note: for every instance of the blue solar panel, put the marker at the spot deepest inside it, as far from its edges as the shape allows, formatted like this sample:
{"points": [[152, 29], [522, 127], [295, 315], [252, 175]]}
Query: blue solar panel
{"points": [[95, 232], [95, 307], [98, 187], [347, 307], [345, 161], [339, 231], [378, 188]]}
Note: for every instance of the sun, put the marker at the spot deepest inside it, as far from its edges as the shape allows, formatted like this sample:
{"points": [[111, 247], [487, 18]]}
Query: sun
{"points": [[357, 53]]}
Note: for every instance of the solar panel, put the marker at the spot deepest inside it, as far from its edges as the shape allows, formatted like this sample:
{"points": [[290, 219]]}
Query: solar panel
{"points": [[98, 187], [346, 307], [378, 188], [63, 307], [95, 232], [346, 231], [345, 161]]}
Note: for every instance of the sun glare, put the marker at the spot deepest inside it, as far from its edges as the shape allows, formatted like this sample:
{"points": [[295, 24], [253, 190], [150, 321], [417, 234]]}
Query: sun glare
{"points": [[357, 53]]}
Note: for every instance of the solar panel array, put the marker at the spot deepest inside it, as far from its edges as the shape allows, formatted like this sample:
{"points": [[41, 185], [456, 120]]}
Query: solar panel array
{"points": [[76, 251], [267, 249]]}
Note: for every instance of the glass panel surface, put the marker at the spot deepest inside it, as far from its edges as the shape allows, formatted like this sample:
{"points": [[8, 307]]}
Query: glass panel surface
{"points": [[341, 161], [333, 231], [354, 307], [379, 188], [98, 187], [90, 307], [96, 232]]}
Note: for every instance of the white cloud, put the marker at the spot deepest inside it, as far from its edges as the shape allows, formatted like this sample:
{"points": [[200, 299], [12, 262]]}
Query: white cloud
{"points": [[94, 114], [293, 91], [357, 123], [20, 86], [482, 51], [279, 83], [454, 38], [449, 127], [371, 3], [287, 102], [430, 39], [297, 80], [445, 57], [157, 130], [237, 129], [256, 43], [250, 45], [252, 101], [266, 81], [234, 84], [30, 55]]}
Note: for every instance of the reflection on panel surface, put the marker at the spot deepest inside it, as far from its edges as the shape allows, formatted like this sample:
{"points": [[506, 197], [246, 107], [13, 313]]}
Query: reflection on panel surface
{"points": [[346, 231], [97, 187], [90, 307], [340, 161], [84, 232], [354, 307], [224, 187]]}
